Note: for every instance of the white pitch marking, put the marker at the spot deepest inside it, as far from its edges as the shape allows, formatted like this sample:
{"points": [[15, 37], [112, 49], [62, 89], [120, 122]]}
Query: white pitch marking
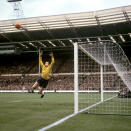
{"points": [[72, 115], [15, 101], [56, 123]]}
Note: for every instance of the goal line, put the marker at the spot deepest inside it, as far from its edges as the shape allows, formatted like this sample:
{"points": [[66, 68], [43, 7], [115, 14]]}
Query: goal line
{"points": [[72, 115]]}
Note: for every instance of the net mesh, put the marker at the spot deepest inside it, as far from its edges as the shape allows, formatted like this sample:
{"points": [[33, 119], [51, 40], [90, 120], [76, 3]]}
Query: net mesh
{"points": [[116, 78]]}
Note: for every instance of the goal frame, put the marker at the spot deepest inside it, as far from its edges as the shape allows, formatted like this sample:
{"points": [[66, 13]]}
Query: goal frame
{"points": [[76, 82]]}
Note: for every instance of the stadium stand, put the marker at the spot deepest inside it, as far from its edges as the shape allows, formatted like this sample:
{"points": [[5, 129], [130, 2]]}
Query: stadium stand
{"points": [[112, 24], [29, 64], [20, 72]]}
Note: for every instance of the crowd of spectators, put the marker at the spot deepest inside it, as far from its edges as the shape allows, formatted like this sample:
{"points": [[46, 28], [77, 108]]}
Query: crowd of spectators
{"points": [[30, 65], [61, 82], [19, 82], [24, 66]]}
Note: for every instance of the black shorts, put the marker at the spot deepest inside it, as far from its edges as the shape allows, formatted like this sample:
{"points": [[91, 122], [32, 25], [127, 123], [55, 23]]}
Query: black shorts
{"points": [[42, 82]]}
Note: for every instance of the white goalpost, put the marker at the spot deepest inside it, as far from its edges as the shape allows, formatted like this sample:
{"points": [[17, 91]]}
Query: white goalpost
{"points": [[75, 78], [102, 78]]}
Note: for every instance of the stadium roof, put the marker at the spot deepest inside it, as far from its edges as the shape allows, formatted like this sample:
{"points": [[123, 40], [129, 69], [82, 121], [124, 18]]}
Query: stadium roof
{"points": [[62, 30]]}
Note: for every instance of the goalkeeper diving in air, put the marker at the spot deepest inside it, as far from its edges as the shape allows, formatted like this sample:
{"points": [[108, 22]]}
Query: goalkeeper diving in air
{"points": [[46, 67]]}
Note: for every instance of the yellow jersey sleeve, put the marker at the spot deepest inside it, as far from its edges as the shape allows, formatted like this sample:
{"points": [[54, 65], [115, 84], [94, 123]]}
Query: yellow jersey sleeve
{"points": [[40, 61], [52, 61]]}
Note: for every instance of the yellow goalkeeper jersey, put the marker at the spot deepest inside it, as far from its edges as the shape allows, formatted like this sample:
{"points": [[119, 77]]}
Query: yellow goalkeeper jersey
{"points": [[46, 70]]}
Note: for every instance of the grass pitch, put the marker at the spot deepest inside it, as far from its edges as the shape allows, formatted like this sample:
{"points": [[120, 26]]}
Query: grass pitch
{"points": [[28, 112]]}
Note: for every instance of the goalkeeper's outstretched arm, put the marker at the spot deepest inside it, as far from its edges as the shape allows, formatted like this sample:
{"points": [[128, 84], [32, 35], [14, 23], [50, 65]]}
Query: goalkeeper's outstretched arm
{"points": [[40, 59], [52, 59]]}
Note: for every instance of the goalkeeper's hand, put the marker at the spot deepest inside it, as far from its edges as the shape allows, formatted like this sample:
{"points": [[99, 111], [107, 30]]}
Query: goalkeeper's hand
{"points": [[41, 53], [51, 54]]}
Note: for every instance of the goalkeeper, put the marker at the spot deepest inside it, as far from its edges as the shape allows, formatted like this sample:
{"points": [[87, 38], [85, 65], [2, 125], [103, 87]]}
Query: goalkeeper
{"points": [[45, 75]]}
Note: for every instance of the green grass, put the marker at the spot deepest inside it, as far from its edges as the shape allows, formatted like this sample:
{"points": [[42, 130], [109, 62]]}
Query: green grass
{"points": [[28, 112], [113, 106], [87, 122]]}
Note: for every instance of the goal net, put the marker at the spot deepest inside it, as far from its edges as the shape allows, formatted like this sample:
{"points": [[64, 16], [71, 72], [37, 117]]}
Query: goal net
{"points": [[104, 78]]}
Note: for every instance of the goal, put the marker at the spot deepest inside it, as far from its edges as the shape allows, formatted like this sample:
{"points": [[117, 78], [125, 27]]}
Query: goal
{"points": [[102, 78]]}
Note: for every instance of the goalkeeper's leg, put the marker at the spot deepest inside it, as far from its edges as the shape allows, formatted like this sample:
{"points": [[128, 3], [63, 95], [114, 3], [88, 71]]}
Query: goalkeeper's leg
{"points": [[41, 92], [34, 87], [43, 85]]}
